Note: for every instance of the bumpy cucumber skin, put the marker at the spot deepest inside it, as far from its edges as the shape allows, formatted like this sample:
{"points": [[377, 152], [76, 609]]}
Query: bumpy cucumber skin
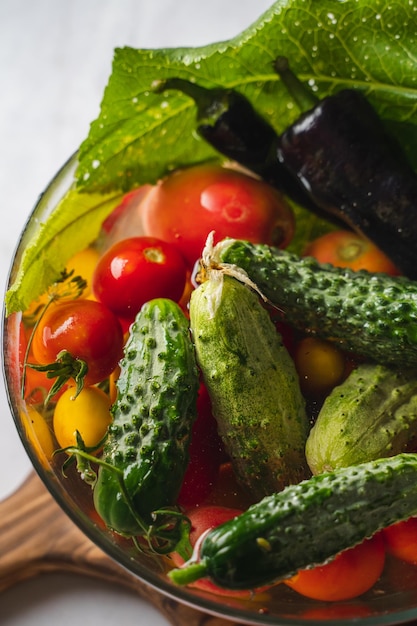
{"points": [[253, 386], [153, 416], [306, 524], [373, 315], [372, 414]]}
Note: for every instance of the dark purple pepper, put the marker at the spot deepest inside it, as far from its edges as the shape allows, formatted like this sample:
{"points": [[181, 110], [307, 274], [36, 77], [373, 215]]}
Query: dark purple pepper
{"points": [[342, 155]]}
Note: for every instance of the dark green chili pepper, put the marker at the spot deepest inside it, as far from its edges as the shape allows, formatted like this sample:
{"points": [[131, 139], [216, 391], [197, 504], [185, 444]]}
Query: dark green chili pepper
{"points": [[343, 156], [228, 122]]}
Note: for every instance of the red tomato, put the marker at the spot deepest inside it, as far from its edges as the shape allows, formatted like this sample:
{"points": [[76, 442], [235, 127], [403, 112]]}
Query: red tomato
{"points": [[136, 270], [350, 574], [347, 249], [126, 219], [206, 453], [401, 540], [187, 205], [202, 519], [87, 329], [227, 491]]}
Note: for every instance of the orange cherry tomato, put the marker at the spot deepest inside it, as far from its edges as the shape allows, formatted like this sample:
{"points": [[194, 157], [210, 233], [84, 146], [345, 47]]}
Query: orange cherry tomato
{"points": [[401, 540], [343, 248], [350, 574]]}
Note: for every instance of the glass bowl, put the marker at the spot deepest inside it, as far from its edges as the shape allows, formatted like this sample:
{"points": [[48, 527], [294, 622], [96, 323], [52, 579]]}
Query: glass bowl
{"points": [[392, 601]]}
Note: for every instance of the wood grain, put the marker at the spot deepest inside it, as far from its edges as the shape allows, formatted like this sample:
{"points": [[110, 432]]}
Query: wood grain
{"points": [[37, 537]]}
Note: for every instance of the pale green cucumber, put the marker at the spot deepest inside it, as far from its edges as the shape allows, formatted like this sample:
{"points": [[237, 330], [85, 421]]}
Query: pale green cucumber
{"points": [[252, 383], [372, 414]]}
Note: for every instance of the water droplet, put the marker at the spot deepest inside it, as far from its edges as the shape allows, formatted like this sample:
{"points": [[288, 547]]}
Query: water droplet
{"points": [[95, 164]]}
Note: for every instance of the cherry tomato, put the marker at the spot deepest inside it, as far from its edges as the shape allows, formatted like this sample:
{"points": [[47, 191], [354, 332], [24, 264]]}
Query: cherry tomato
{"points": [[83, 264], [125, 220], [38, 434], [227, 491], [350, 574], [187, 205], [88, 413], [136, 270], [206, 453], [203, 518], [401, 540], [87, 329], [347, 249], [320, 365]]}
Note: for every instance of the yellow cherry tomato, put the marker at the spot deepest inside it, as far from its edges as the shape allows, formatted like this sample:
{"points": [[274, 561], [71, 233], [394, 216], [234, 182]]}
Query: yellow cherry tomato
{"points": [[83, 264], [320, 365], [38, 434], [88, 413]]}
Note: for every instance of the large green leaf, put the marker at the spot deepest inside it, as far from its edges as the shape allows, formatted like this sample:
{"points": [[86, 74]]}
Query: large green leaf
{"points": [[73, 225], [139, 135], [332, 44]]}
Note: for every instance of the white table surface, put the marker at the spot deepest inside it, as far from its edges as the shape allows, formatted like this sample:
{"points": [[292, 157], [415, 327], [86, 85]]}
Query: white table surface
{"points": [[55, 58]]}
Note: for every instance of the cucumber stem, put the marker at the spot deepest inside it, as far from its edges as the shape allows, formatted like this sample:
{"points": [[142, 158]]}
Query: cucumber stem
{"points": [[188, 574], [303, 96]]}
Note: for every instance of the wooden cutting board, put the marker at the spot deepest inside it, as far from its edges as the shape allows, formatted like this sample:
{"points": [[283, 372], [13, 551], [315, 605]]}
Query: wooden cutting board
{"points": [[37, 537]]}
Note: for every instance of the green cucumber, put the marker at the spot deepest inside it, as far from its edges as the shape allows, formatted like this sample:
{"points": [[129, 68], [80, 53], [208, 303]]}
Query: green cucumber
{"points": [[252, 383], [305, 525], [146, 452], [372, 414], [373, 315]]}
